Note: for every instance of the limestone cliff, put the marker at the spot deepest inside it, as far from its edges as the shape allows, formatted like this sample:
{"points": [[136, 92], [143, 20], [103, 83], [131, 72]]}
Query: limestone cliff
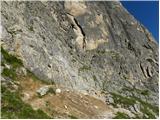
{"points": [[96, 48]]}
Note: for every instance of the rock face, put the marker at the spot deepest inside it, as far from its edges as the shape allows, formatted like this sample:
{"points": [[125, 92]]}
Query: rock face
{"points": [[91, 46]]}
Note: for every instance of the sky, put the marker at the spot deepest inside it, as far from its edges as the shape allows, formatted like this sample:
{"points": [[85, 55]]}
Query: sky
{"points": [[147, 13]]}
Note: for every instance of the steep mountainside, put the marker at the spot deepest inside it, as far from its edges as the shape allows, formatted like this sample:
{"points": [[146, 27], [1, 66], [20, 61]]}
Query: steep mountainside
{"points": [[93, 48]]}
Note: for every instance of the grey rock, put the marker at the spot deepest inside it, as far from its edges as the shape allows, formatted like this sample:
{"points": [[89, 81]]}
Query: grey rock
{"points": [[43, 90], [137, 107], [21, 71], [1, 70], [7, 66], [109, 99], [83, 46], [3, 79]]}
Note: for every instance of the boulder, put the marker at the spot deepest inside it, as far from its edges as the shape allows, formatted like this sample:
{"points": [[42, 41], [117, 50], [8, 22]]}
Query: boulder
{"points": [[43, 90]]}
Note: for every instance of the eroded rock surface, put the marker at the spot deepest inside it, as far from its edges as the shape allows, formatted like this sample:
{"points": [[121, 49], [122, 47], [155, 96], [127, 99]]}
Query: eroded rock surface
{"points": [[86, 46]]}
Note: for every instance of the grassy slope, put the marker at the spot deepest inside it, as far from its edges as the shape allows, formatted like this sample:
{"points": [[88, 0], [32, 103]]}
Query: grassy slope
{"points": [[12, 105]]}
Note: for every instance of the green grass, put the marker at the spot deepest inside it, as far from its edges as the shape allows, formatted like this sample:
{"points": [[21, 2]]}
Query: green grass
{"points": [[144, 92], [120, 115], [145, 107], [147, 112], [9, 73], [13, 107], [10, 59], [125, 101], [139, 91], [13, 62]]}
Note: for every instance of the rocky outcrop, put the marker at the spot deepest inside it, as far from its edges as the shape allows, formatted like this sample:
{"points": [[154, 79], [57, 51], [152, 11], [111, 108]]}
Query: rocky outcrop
{"points": [[85, 46]]}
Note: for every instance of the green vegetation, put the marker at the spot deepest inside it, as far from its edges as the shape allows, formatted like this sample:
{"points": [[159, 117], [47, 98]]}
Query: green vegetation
{"points": [[118, 99], [85, 68], [52, 90], [147, 112], [9, 73], [120, 115], [145, 107], [10, 59], [31, 28], [13, 62], [94, 78], [47, 103], [13, 107], [142, 92]]}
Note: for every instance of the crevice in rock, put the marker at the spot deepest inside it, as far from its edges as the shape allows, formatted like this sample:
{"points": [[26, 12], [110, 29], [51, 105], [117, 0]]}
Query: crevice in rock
{"points": [[49, 66], [81, 37], [143, 70], [152, 60], [148, 72]]}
